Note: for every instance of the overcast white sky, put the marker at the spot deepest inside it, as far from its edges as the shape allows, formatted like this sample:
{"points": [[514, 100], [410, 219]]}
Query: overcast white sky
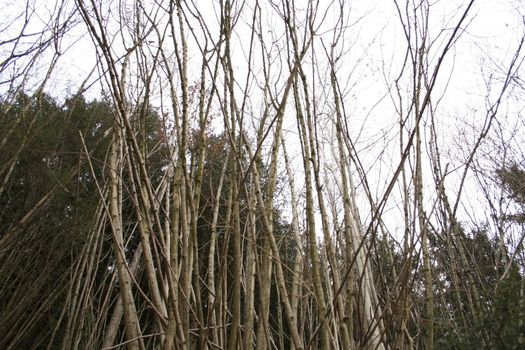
{"points": [[374, 50]]}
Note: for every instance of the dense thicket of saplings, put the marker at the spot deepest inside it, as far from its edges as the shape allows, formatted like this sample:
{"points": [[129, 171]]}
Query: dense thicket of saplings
{"points": [[59, 286]]}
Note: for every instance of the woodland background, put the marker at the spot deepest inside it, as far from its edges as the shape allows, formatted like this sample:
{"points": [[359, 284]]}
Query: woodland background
{"points": [[258, 174]]}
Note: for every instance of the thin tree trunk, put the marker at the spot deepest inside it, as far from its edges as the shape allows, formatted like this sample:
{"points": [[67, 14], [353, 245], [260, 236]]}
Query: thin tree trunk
{"points": [[125, 282], [427, 269]]}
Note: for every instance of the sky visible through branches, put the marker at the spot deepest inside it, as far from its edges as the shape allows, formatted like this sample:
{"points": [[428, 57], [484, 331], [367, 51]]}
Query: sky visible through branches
{"points": [[324, 169]]}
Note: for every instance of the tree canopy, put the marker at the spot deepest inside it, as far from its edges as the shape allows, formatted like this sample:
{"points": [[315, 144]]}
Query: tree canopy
{"points": [[260, 174]]}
